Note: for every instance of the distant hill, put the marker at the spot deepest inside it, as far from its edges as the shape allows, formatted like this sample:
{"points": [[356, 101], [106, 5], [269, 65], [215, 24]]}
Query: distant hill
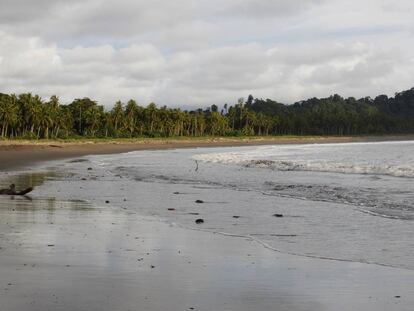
{"points": [[340, 116]]}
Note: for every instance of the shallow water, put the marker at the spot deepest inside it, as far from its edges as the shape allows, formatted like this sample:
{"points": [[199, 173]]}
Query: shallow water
{"points": [[97, 234], [27, 179], [348, 215], [72, 255]]}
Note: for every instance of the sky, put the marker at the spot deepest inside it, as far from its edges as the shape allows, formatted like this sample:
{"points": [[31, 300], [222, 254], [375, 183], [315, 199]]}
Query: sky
{"points": [[195, 53]]}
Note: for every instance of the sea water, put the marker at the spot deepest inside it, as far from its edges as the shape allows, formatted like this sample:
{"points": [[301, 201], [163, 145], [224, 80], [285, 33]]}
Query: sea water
{"points": [[345, 202]]}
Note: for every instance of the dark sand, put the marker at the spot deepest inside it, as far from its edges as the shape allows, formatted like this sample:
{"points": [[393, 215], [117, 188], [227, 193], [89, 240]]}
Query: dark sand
{"points": [[69, 256], [21, 154]]}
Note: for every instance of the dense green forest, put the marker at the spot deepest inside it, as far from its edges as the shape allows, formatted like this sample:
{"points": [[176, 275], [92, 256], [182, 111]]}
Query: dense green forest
{"points": [[29, 116]]}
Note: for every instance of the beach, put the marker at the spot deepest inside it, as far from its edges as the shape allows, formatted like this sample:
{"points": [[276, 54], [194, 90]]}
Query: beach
{"points": [[17, 154], [105, 230]]}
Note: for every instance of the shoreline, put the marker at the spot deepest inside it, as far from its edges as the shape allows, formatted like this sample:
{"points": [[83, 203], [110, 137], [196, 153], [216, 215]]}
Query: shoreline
{"points": [[60, 251], [74, 255], [20, 154]]}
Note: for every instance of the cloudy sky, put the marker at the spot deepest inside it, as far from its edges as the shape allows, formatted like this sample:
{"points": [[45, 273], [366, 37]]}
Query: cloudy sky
{"points": [[203, 52]]}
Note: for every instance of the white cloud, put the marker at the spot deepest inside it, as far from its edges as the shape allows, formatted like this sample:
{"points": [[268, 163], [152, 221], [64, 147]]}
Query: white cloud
{"points": [[189, 52]]}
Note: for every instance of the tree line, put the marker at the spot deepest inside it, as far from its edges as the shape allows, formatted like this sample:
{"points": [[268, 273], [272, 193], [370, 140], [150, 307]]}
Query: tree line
{"points": [[29, 116]]}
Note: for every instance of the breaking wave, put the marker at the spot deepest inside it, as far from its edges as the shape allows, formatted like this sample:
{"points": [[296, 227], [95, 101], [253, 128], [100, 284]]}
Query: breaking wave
{"points": [[310, 165]]}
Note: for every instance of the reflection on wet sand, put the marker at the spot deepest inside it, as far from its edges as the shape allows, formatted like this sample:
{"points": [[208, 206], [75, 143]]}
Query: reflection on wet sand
{"points": [[29, 179], [29, 203], [70, 255]]}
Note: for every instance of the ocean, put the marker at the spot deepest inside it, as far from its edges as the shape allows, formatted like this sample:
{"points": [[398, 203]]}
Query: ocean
{"points": [[344, 202]]}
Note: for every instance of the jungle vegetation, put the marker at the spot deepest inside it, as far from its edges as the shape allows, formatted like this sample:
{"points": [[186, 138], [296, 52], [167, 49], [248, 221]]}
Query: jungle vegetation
{"points": [[29, 116]]}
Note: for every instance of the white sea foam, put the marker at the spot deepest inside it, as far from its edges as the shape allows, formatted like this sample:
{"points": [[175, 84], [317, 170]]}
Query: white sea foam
{"points": [[336, 158]]}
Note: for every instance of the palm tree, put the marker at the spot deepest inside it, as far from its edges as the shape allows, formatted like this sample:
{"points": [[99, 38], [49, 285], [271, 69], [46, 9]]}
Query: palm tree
{"points": [[150, 117], [131, 114], [8, 114], [31, 108], [93, 118], [117, 116], [45, 121], [53, 110]]}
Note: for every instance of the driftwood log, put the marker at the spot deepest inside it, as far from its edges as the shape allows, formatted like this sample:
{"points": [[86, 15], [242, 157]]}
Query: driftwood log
{"points": [[12, 191]]}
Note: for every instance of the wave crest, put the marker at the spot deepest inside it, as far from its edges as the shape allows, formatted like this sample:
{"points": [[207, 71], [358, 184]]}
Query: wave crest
{"points": [[310, 165]]}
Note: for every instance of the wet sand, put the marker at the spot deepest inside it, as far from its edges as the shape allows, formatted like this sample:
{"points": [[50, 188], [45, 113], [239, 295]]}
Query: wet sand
{"points": [[71, 255], [63, 255], [23, 154]]}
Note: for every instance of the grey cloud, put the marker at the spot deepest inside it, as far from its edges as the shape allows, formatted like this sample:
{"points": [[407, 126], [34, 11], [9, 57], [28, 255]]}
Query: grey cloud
{"points": [[92, 18], [22, 11], [81, 55], [402, 6], [128, 19], [223, 68], [262, 8], [188, 52], [364, 65], [143, 63], [310, 54]]}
